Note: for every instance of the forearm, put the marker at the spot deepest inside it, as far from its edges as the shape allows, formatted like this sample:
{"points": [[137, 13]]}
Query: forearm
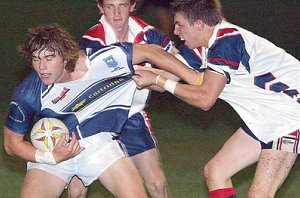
{"points": [[191, 94], [15, 145], [164, 61], [18, 147]]}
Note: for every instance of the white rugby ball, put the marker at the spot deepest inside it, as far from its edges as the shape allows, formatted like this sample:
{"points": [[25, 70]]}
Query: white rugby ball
{"points": [[46, 133]]}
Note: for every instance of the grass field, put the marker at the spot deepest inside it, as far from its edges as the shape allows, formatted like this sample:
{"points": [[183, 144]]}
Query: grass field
{"points": [[187, 136]]}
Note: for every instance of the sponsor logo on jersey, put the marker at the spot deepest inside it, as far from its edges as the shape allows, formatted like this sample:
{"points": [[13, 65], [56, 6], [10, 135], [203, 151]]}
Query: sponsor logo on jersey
{"points": [[112, 63], [61, 95], [95, 92], [78, 105]]}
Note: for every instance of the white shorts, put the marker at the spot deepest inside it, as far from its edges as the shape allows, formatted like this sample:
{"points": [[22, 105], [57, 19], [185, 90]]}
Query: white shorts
{"points": [[100, 152]]}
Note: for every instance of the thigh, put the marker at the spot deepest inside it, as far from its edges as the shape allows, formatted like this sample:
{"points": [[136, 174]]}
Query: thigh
{"points": [[149, 165], [38, 183], [238, 152], [122, 179]]}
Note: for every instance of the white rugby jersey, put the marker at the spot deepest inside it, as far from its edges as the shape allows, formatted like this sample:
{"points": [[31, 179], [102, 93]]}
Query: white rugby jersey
{"points": [[102, 34], [98, 102], [263, 81]]}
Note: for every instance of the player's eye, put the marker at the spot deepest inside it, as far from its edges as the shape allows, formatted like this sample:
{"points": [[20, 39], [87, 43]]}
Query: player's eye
{"points": [[109, 7], [125, 5], [49, 58]]}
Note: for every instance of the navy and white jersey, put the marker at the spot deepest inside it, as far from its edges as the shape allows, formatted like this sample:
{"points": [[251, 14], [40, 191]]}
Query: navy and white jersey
{"points": [[263, 81], [98, 102], [140, 32], [193, 58]]}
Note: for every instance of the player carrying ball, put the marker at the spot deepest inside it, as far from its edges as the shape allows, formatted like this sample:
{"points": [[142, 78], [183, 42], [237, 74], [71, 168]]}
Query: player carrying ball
{"points": [[92, 94]]}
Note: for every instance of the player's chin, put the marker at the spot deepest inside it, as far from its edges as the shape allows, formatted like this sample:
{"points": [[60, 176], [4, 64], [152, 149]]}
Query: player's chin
{"points": [[189, 45], [47, 81]]}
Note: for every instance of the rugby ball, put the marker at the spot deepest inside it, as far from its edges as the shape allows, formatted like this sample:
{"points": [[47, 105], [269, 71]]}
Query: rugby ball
{"points": [[46, 133]]}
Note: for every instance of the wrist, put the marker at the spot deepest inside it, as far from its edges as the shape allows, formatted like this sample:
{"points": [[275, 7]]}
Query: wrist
{"points": [[168, 85], [199, 78], [45, 157]]}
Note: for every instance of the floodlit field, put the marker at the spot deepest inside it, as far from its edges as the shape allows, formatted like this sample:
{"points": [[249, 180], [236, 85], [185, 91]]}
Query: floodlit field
{"points": [[188, 137]]}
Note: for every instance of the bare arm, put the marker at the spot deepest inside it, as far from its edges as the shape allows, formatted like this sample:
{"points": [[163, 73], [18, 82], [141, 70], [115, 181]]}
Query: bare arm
{"points": [[160, 72], [165, 61], [203, 96], [15, 145]]}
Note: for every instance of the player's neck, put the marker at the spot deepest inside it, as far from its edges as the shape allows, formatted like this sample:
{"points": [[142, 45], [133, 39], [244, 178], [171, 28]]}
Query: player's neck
{"points": [[122, 34], [80, 68]]}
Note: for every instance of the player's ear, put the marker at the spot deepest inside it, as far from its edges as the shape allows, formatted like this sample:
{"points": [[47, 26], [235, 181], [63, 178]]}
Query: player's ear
{"points": [[132, 7], [199, 25], [100, 7]]}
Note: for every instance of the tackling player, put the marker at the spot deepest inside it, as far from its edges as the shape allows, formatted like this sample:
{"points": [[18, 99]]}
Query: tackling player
{"points": [[258, 79], [92, 94]]}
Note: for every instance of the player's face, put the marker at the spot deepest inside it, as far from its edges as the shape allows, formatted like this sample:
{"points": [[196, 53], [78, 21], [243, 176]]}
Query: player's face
{"points": [[190, 34], [117, 12], [49, 66]]}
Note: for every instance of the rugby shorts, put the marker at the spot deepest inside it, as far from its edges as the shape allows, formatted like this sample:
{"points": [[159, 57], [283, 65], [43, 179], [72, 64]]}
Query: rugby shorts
{"points": [[137, 135], [101, 151], [288, 143]]}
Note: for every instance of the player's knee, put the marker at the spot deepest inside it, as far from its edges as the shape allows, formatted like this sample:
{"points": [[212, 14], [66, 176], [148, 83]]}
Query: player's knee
{"points": [[80, 192], [212, 170], [157, 188]]}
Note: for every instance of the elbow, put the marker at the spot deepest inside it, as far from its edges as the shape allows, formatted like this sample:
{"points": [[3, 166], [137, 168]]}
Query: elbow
{"points": [[204, 103], [8, 149], [205, 106]]}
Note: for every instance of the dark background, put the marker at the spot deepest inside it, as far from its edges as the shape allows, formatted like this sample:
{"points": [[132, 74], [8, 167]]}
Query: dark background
{"points": [[187, 136]]}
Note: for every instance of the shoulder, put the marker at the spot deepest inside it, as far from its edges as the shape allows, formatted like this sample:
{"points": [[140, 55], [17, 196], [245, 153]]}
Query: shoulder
{"points": [[139, 21], [95, 31], [124, 47], [30, 84]]}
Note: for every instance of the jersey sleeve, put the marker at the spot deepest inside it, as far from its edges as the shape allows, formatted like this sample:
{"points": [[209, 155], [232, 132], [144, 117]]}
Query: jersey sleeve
{"points": [[93, 38], [191, 58], [151, 35], [23, 105], [228, 52]]}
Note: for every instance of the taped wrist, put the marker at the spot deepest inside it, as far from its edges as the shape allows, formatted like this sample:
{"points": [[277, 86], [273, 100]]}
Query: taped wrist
{"points": [[45, 157], [168, 85], [199, 79]]}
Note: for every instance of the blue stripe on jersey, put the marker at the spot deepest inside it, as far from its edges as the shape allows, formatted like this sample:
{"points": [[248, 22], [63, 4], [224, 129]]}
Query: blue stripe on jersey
{"points": [[106, 121], [94, 92], [191, 58], [229, 50], [109, 120]]}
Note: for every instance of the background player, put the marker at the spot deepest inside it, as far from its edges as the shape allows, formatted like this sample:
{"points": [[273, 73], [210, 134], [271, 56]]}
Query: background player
{"points": [[62, 70], [259, 80], [116, 25]]}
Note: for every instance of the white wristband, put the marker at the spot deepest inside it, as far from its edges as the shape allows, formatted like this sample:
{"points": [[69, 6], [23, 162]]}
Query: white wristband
{"points": [[45, 157], [170, 86]]}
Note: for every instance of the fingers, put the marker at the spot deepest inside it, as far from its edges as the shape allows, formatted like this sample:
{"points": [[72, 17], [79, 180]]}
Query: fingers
{"points": [[63, 140], [74, 146], [64, 150]]}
